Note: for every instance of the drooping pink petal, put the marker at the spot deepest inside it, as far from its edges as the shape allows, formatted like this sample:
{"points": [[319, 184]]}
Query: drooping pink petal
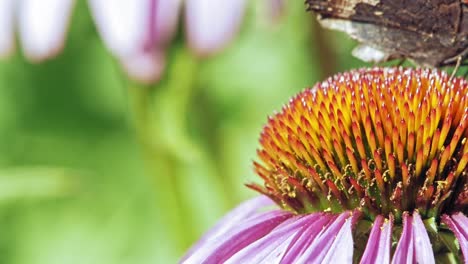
{"points": [[462, 223], [458, 223], [7, 36], [211, 24], [414, 244], [373, 246], [422, 245], [405, 247], [223, 247], [42, 26], [236, 217], [337, 234], [272, 247], [384, 255], [342, 249], [379, 245], [302, 241]]}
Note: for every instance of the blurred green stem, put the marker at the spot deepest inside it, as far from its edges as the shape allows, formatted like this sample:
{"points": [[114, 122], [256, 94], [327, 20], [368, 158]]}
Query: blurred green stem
{"points": [[160, 116], [161, 165]]}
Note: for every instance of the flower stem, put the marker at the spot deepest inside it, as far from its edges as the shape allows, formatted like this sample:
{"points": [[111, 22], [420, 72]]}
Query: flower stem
{"points": [[160, 165], [160, 117]]}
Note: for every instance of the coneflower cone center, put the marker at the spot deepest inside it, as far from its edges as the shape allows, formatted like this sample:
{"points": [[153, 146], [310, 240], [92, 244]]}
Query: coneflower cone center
{"points": [[382, 141]]}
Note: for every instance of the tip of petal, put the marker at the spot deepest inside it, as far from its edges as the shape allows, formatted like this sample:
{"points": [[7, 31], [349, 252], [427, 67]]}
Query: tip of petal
{"points": [[211, 24], [43, 26], [123, 25], [145, 68], [7, 37]]}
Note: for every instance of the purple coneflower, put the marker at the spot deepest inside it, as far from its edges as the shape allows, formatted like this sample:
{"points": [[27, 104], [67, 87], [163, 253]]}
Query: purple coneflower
{"points": [[369, 166]]}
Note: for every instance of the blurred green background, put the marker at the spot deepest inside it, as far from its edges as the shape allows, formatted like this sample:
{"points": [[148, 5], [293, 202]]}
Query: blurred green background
{"points": [[74, 184]]}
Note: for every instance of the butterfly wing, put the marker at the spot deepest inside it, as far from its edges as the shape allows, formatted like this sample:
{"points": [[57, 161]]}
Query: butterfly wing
{"points": [[431, 33]]}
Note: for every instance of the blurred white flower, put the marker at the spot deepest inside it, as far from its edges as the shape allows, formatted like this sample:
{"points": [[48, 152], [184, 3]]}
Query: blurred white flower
{"points": [[42, 25], [138, 32], [211, 24]]}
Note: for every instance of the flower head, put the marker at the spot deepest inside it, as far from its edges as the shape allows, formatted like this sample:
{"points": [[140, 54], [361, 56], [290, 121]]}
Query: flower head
{"points": [[370, 162]]}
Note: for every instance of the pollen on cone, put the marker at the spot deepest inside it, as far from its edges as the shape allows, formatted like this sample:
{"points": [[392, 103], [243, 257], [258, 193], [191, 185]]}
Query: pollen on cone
{"points": [[368, 138]]}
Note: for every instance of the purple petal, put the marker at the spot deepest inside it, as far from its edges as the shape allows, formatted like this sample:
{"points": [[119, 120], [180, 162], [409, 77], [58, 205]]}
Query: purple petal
{"points": [[422, 245], [378, 246], [272, 247], [211, 24], [342, 249], [42, 26], [373, 246], [234, 218], [414, 244], [462, 223], [245, 211], [458, 223], [223, 247], [7, 37], [385, 241], [337, 234], [404, 250], [305, 238]]}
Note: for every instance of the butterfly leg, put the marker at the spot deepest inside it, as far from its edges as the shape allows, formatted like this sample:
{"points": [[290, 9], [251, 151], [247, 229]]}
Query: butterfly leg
{"points": [[457, 66]]}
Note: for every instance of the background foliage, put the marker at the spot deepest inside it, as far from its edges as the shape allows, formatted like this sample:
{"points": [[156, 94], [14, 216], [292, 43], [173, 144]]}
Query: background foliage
{"points": [[74, 187]]}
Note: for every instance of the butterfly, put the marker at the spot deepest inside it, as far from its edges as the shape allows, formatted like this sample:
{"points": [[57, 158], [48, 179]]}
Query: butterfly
{"points": [[430, 33]]}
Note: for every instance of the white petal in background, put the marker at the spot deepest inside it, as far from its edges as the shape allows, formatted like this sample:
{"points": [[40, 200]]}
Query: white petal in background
{"points": [[122, 24], [211, 24], [7, 33], [136, 32], [145, 67], [43, 26], [147, 62], [166, 20]]}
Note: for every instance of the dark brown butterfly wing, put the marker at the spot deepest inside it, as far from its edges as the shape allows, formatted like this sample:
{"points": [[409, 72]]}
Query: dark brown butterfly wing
{"points": [[430, 33]]}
